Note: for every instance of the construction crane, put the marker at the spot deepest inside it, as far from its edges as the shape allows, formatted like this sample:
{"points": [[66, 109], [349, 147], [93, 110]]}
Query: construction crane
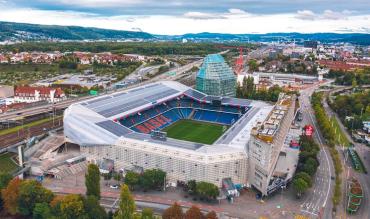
{"points": [[239, 62]]}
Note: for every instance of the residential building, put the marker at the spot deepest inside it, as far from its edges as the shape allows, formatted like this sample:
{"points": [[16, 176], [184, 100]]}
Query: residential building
{"points": [[35, 94]]}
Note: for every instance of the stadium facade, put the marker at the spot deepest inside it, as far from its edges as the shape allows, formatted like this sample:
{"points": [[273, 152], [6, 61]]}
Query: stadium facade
{"points": [[215, 77], [125, 127]]}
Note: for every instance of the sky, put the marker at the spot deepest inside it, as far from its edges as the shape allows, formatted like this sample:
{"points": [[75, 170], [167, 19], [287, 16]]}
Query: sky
{"points": [[195, 16]]}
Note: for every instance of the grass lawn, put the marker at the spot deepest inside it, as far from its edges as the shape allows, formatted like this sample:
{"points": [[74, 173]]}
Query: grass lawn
{"points": [[6, 163], [194, 131], [341, 138], [31, 124]]}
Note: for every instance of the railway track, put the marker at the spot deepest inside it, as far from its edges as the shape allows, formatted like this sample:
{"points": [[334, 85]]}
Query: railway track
{"points": [[26, 133]]}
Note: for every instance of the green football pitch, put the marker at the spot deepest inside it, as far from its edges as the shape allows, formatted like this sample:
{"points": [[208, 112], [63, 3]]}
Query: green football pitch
{"points": [[195, 131], [6, 163]]}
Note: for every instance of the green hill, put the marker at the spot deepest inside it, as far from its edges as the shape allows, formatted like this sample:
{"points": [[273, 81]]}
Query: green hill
{"points": [[28, 32]]}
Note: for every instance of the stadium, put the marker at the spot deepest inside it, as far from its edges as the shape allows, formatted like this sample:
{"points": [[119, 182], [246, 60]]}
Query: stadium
{"points": [[169, 126]]}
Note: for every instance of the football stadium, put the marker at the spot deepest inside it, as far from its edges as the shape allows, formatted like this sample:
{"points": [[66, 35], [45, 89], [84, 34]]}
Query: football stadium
{"points": [[169, 126]]}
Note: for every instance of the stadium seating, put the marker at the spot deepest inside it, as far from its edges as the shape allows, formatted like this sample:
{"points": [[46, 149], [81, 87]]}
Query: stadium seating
{"points": [[164, 114]]}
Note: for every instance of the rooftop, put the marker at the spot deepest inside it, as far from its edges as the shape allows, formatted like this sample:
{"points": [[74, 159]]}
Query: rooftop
{"points": [[96, 117]]}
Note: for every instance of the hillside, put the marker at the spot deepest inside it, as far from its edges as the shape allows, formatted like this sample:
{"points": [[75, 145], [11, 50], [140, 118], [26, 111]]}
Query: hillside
{"points": [[34, 32], [28, 32]]}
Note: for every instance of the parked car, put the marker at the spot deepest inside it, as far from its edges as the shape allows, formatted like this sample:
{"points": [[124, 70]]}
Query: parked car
{"points": [[114, 186]]}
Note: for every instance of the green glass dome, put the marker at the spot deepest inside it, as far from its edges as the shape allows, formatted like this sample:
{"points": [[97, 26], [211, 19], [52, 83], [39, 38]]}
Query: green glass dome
{"points": [[215, 77]]}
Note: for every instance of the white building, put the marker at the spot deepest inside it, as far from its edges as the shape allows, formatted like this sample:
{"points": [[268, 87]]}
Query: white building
{"points": [[100, 127], [266, 145], [35, 94]]}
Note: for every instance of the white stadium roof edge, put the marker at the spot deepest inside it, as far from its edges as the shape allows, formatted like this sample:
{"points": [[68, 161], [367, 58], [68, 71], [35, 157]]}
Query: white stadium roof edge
{"points": [[94, 121]]}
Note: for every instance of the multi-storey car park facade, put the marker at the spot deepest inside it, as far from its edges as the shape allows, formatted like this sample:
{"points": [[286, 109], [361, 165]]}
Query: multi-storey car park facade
{"points": [[119, 126]]}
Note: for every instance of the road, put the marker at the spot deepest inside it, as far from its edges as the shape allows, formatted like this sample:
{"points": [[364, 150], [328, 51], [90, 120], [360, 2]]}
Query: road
{"points": [[317, 201]]}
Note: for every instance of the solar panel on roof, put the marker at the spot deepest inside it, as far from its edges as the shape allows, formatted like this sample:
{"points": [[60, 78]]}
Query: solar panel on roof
{"points": [[99, 99], [114, 128], [236, 101], [122, 108], [195, 94], [158, 96]]}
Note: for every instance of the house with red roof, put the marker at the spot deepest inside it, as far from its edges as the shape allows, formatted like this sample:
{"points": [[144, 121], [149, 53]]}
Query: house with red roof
{"points": [[23, 94]]}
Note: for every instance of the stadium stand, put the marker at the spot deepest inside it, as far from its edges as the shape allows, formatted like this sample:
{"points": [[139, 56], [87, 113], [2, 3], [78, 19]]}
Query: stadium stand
{"points": [[164, 114]]}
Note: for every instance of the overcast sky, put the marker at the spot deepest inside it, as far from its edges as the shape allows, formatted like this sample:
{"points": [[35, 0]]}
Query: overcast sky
{"points": [[194, 16]]}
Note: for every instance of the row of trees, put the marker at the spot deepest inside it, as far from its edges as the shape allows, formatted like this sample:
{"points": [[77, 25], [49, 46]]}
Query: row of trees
{"points": [[204, 190], [358, 77], [307, 165], [127, 210], [29, 198], [150, 179], [176, 212], [143, 48], [329, 134], [248, 90]]}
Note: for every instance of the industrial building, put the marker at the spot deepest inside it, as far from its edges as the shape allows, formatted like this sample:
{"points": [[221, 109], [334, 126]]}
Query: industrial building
{"points": [[125, 128], [215, 77]]}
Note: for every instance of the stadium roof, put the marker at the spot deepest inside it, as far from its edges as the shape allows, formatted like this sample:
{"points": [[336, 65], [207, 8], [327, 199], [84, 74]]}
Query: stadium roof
{"points": [[93, 121]]}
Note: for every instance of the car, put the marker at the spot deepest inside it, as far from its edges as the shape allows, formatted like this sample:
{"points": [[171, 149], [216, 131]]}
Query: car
{"points": [[114, 186]]}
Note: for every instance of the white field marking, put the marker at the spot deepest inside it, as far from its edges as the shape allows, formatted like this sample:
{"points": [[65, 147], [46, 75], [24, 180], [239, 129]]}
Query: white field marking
{"points": [[308, 212]]}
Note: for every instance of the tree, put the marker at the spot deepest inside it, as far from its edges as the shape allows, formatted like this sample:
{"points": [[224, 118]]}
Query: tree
{"points": [[42, 211], [127, 204], [93, 208], [30, 193], [310, 166], [72, 206], [211, 215], [173, 212], [253, 65], [153, 178], [10, 196], [192, 187], [305, 177], [132, 179], [4, 180], [300, 186], [207, 190], [92, 181], [55, 205], [193, 213], [147, 213]]}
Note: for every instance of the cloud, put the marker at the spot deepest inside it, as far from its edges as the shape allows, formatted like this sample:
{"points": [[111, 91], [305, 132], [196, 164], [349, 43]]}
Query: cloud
{"points": [[99, 3], [306, 15], [327, 14], [231, 13], [202, 16], [230, 21]]}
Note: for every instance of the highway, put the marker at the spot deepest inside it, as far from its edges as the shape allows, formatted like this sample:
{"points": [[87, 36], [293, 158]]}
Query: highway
{"points": [[317, 201]]}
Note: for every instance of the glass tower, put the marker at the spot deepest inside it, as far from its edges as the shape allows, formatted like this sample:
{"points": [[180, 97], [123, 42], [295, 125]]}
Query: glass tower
{"points": [[215, 77]]}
